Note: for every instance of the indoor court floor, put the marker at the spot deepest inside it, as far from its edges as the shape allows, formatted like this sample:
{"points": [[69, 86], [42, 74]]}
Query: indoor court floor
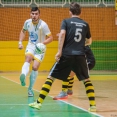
{"points": [[14, 99]]}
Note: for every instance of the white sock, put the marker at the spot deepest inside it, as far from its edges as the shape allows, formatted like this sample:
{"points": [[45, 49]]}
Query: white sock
{"points": [[25, 68], [33, 77]]}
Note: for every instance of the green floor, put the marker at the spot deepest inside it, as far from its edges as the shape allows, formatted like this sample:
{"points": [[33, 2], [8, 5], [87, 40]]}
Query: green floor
{"points": [[14, 103]]}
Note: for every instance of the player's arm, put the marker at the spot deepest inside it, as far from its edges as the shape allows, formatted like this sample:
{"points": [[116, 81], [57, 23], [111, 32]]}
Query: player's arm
{"points": [[88, 36], [88, 42], [22, 34], [49, 38], [21, 38], [61, 40]]}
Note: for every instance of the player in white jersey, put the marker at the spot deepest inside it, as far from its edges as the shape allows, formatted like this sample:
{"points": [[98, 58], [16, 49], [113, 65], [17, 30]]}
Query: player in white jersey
{"points": [[39, 32]]}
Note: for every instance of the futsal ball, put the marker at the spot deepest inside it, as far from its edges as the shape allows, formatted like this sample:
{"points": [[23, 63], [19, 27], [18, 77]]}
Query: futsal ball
{"points": [[40, 48]]}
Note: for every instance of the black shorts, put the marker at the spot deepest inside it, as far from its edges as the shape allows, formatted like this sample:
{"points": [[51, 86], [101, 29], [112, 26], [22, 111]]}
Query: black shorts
{"points": [[66, 64]]}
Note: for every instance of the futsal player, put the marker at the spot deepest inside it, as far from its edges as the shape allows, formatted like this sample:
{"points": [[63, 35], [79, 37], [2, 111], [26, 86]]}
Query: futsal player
{"points": [[71, 56], [39, 32], [68, 84]]}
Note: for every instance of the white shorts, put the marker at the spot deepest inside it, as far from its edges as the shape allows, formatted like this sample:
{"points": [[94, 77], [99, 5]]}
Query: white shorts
{"points": [[30, 49]]}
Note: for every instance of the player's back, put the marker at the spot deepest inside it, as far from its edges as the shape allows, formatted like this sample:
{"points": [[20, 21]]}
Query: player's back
{"points": [[77, 30]]}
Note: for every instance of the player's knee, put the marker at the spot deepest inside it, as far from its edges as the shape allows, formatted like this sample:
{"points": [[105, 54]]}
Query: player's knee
{"points": [[72, 74], [50, 77], [28, 58], [35, 68], [86, 80]]}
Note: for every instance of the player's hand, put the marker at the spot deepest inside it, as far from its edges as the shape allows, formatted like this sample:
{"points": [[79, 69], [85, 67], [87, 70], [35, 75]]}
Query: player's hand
{"points": [[57, 56], [20, 46], [57, 34]]}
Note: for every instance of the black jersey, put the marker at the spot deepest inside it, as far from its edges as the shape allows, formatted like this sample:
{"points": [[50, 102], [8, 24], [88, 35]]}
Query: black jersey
{"points": [[77, 30]]}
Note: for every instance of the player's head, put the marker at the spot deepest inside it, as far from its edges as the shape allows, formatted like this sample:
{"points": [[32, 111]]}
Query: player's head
{"points": [[75, 9], [35, 13]]}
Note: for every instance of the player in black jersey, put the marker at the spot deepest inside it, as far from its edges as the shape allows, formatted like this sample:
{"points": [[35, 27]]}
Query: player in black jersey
{"points": [[68, 84], [71, 56]]}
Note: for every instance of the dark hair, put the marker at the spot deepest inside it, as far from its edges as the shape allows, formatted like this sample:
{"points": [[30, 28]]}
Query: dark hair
{"points": [[75, 8], [35, 9]]}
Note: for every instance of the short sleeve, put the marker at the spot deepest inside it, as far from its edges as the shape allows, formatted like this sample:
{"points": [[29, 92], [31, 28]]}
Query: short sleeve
{"points": [[88, 35], [46, 29], [25, 25], [63, 25]]}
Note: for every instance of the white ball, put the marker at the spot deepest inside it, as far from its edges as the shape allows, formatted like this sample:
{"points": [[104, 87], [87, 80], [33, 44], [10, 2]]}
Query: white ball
{"points": [[40, 48]]}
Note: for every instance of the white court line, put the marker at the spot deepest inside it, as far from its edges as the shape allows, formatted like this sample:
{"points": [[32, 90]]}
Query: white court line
{"points": [[12, 104], [81, 108], [57, 100]]}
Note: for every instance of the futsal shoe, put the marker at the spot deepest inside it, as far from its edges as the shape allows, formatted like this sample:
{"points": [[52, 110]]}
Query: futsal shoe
{"points": [[35, 105], [22, 79], [92, 109], [30, 93], [69, 92], [62, 95]]}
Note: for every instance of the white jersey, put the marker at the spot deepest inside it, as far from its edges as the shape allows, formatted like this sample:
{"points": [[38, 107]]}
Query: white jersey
{"points": [[38, 32]]}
